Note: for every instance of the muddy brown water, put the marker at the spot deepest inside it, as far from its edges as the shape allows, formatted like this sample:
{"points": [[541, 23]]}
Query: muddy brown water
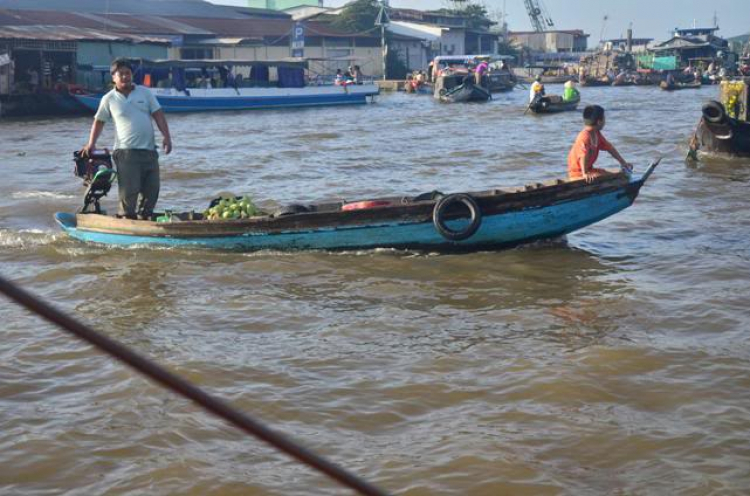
{"points": [[616, 361]]}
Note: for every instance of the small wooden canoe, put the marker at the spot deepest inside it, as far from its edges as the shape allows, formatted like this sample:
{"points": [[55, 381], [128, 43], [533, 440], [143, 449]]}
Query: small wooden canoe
{"points": [[457, 222], [595, 82], [680, 86], [553, 104]]}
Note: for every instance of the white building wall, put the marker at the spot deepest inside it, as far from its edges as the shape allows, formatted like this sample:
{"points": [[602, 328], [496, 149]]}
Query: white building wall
{"points": [[452, 42], [559, 42], [413, 54]]}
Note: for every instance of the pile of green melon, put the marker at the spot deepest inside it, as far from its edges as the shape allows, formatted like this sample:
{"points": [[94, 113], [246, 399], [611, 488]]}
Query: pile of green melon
{"points": [[229, 208]]}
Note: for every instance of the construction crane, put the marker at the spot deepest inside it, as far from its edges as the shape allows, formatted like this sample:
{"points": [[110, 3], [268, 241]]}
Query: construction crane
{"points": [[540, 18]]}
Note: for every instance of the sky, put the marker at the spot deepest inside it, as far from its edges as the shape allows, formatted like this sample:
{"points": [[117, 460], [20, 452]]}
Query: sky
{"points": [[650, 18]]}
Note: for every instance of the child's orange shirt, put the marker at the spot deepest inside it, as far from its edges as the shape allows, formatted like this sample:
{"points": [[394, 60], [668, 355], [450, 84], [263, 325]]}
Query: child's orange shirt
{"points": [[588, 143]]}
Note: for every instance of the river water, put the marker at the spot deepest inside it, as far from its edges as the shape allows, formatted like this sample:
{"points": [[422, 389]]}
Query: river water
{"points": [[616, 361]]}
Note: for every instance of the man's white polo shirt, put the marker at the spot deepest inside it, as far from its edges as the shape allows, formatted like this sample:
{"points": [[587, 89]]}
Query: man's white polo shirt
{"points": [[134, 128]]}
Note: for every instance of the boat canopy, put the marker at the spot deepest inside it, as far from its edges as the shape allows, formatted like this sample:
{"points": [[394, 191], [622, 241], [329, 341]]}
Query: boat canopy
{"points": [[209, 63], [465, 59]]}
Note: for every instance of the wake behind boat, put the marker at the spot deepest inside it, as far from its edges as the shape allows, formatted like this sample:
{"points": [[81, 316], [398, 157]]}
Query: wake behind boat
{"points": [[269, 84], [495, 218]]}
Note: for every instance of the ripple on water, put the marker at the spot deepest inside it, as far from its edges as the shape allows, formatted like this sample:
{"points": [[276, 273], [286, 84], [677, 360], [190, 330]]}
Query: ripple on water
{"points": [[614, 361]]}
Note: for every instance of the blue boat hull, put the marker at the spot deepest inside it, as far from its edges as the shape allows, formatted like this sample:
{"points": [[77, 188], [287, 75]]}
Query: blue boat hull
{"points": [[503, 229], [174, 104]]}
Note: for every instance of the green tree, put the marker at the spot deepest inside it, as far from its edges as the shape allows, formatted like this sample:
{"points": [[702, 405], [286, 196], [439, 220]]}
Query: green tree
{"points": [[358, 16], [475, 11]]}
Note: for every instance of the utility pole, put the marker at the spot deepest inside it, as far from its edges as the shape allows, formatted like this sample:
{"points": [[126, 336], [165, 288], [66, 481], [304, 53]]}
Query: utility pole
{"points": [[382, 20]]}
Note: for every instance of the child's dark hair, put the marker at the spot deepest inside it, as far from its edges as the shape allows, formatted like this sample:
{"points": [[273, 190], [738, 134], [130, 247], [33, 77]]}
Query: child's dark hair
{"points": [[592, 114], [118, 64]]}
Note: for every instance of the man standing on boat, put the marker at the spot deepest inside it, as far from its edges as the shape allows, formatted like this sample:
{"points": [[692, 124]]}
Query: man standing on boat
{"points": [[588, 144], [479, 72], [131, 108]]}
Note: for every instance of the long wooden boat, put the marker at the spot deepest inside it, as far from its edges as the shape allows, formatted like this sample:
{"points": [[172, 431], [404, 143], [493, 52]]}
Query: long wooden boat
{"points": [[500, 82], [590, 81], [553, 104], [680, 86], [495, 218]]}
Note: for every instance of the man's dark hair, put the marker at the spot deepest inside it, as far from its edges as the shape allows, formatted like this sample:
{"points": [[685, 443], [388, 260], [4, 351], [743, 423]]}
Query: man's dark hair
{"points": [[592, 114], [118, 64]]}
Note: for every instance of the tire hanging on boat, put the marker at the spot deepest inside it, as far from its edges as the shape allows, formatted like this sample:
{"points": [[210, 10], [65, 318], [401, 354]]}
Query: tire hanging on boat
{"points": [[714, 112], [438, 217]]}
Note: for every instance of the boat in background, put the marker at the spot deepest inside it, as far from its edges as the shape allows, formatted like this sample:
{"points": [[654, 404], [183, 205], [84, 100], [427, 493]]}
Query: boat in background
{"points": [[674, 86], [498, 78], [262, 85], [494, 218], [552, 104], [592, 81], [724, 127], [467, 91]]}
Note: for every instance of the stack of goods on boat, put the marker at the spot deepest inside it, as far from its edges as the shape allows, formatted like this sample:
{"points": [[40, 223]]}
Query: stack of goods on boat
{"points": [[724, 127], [231, 207]]}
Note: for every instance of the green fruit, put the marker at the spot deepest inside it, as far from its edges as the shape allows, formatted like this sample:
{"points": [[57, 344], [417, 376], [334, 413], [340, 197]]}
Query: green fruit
{"points": [[226, 214]]}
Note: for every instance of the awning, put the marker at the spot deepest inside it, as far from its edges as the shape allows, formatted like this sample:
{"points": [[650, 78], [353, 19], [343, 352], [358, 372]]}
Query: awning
{"points": [[198, 64], [414, 30]]}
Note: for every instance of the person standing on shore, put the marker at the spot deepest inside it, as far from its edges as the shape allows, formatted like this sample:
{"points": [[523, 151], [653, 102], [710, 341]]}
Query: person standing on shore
{"points": [[131, 108]]}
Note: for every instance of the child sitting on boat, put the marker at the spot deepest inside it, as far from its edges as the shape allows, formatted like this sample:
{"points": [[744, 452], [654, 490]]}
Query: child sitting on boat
{"points": [[585, 150]]}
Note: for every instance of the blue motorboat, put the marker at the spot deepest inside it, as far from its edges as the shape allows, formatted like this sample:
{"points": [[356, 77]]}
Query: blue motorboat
{"points": [[212, 85], [495, 218]]}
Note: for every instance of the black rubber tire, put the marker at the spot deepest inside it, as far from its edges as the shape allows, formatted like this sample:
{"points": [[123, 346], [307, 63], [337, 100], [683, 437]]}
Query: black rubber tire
{"points": [[714, 112], [442, 205]]}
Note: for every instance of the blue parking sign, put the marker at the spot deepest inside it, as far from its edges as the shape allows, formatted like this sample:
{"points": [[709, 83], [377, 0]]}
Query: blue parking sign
{"points": [[298, 40]]}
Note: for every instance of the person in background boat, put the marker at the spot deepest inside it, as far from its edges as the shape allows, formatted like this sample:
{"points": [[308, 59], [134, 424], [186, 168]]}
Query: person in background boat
{"points": [[339, 79], [698, 75], [585, 150], [357, 76], [670, 79], [417, 81], [480, 71], [537, 90], [570, 92], [131, 108]]}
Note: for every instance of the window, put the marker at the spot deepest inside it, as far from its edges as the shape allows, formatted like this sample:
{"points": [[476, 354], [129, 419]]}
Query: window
{"points": [[196, 53]]}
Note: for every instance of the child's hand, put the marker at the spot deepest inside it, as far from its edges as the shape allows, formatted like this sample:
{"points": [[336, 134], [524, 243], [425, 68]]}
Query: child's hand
{"points": [[627, 167]]}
